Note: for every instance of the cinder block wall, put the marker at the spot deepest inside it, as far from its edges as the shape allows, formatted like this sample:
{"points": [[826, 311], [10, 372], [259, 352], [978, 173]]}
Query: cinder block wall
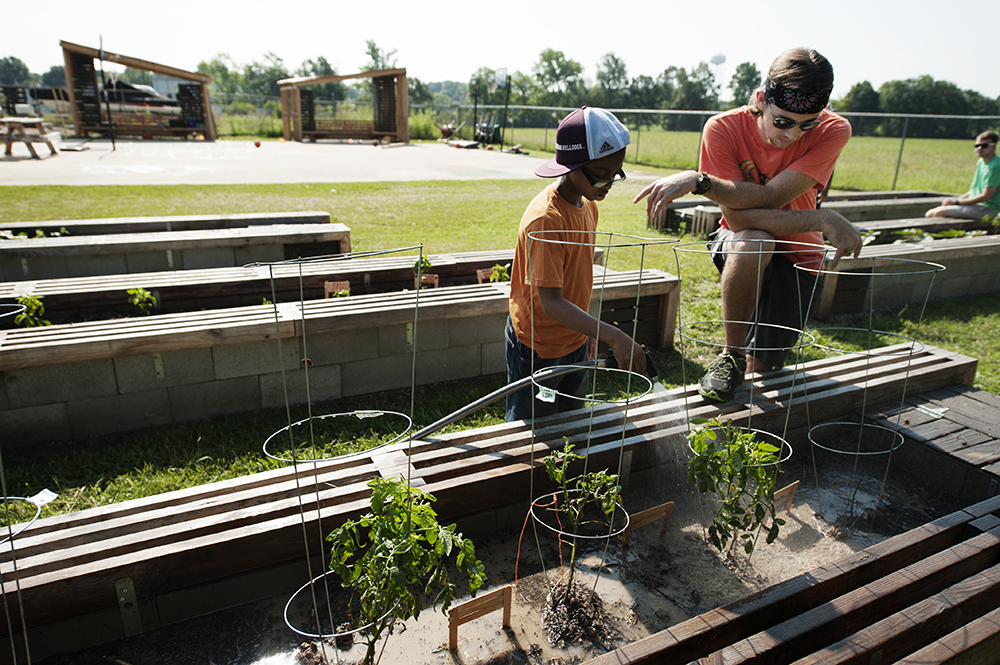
{"points": [[67, 401]]}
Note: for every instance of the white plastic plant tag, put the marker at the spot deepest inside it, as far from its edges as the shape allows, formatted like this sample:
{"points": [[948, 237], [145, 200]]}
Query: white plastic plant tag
{"points": [[43, 497], [546, 395]]}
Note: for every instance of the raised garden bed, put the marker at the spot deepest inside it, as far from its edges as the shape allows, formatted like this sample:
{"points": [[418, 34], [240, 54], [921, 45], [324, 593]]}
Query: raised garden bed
{"points": [[66, 381], [193, 551]]}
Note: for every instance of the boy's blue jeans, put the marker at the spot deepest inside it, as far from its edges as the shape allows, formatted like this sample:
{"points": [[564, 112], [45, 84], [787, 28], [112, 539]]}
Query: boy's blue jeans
{"points": [[519, 366]]}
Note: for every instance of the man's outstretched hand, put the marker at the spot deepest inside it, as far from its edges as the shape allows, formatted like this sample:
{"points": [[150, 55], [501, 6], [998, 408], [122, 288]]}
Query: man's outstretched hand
{"points": [[667, 190]]}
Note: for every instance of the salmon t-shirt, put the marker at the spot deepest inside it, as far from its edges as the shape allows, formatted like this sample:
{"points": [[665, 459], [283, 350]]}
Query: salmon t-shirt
{"points": [[559, 254], [733, 149]]}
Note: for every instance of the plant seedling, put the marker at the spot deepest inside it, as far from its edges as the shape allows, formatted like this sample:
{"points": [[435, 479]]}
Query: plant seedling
{"points": [[422, 265], [594, 488], [501, 273], [31, 317], [142, 299], [397, 551], [732, 461]]}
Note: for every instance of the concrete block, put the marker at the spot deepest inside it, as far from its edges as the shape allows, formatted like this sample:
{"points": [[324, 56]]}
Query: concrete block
{"points": [[258, 254], [494, 358], [174, 368], [476, 330], [255, 358], [447, 364], [95, 264], [433, 334], [60, 383], [40, 267], [954, 287], [208, 257], [369, 376], [342, 346], [34, 424], [324, 384], [119, 413], [215, 398], [153, 261]]}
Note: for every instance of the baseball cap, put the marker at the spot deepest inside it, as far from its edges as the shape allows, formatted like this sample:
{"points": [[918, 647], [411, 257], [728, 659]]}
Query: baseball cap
{"points": [[584, 135]]}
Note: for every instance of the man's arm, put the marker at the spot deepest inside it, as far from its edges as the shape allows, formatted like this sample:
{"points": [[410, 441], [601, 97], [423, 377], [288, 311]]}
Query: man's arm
{"points": [[733, 194], [574, 318], [838, 230], [967, 200]]}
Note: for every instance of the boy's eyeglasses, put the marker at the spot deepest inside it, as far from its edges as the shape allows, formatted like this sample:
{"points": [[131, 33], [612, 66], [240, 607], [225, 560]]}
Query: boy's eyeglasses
{"points": [[985, 145], [783, 123], [600, 184]]}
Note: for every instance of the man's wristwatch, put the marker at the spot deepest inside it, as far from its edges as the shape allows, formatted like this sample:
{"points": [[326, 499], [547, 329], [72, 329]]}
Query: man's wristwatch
{"points": [[704, 184]]}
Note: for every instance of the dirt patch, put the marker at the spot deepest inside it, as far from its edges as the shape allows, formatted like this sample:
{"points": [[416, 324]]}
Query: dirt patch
{"points": [[657, 582]]}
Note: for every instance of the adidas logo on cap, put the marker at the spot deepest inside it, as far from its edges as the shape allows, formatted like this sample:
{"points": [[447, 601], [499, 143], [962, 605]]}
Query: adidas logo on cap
{"points": [[605, 147]]}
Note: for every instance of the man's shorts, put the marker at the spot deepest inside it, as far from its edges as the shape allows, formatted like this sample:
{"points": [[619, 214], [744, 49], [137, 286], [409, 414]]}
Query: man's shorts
{"points": [[784, 298]]}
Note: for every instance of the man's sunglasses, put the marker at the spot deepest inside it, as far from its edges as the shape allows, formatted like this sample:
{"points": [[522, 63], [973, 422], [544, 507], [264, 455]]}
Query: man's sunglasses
{"points": [[783, 123], [985, 145], [601, 184]]}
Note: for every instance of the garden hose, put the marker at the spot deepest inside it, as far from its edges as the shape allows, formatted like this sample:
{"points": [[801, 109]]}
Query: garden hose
{"points": [[609, 361]]}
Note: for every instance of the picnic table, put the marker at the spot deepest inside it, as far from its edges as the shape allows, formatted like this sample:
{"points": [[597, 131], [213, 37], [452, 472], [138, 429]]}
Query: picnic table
{"points": [[28, 131]]}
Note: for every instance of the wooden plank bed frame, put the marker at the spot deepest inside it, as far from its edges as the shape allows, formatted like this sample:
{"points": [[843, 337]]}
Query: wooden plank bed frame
{"points": [[172, 547]]}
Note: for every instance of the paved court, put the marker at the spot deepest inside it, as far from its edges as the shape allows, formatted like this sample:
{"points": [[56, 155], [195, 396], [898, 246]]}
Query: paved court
{"points": [[138, 162]]}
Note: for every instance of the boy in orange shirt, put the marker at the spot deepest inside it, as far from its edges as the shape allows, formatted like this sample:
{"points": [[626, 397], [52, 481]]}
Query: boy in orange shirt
{"points": [[552, 271]]}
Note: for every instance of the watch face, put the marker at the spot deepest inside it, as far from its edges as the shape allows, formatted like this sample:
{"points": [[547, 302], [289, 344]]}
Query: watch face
{"points": [[704, 184]]}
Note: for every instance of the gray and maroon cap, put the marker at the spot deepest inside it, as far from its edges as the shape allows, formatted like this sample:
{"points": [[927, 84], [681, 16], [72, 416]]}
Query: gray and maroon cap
{"points": [[583, 136]]}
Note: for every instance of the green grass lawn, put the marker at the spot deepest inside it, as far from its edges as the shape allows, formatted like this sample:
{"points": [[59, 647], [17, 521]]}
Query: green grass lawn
{"points": [[444, 217]]}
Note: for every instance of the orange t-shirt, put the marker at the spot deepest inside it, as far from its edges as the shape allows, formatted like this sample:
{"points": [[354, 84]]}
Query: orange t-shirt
{"points": [[732, 148], [560, 254]]}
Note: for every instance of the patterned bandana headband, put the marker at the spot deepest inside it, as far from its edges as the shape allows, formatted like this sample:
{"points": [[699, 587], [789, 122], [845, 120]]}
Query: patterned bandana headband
{"points": [[793, 102]]}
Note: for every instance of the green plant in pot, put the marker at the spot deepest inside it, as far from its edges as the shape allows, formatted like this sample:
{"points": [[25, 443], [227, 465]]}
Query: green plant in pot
{"points": [[742, 468], [398, 554], [584, 502]]}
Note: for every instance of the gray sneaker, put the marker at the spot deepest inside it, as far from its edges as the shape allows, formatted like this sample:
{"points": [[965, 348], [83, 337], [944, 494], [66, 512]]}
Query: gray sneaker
{"points": [[723, 377]]}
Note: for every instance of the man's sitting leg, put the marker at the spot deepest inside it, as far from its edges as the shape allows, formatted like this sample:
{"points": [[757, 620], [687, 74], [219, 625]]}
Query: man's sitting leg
{"points": [[743, 258]]}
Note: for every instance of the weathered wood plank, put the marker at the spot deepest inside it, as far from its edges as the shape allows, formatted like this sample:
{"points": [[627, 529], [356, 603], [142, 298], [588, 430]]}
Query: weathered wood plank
{"points": [[976, 643], [101, 226], [896, 636]]}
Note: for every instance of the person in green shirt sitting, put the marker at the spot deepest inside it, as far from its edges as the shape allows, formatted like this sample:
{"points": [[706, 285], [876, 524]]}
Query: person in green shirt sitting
{"points": [[983, 198]]}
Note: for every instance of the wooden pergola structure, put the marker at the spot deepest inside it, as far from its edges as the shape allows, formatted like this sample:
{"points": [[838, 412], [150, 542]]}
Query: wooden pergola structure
{"points": [[89, 115], [390, 104]]}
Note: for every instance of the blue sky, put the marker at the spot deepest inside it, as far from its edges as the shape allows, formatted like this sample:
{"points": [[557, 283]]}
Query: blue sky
{"points": [[874, 40]]}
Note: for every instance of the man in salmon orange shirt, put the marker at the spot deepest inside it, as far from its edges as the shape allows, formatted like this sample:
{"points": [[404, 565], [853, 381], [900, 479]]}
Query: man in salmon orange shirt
{"points": [[552, 272], [763, 164]]}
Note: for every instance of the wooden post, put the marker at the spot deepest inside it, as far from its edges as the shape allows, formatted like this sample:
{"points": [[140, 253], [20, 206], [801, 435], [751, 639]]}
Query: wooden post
{"points": [[297, 114], [477, 607], [643, 518], [210, 133], [402, 109], [286, 114], [68, 71]]}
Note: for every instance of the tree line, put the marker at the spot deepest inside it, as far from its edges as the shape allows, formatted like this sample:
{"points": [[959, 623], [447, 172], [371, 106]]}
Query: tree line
{"points": [[556, 80]]}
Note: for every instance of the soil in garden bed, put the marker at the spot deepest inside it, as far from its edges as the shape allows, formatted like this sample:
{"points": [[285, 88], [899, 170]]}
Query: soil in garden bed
{"points": [[657, 582]]}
